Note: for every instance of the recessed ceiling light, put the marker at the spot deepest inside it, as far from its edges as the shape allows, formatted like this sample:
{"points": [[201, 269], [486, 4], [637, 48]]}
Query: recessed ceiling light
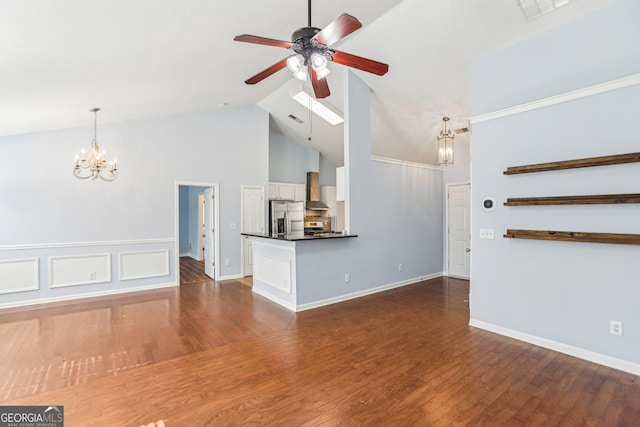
{"points": [[319, 108], [536, 8]]}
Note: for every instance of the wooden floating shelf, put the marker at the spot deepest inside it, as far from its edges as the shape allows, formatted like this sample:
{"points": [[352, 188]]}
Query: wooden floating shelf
{"points": [[573, 200], [572, 164], [574, 236]]}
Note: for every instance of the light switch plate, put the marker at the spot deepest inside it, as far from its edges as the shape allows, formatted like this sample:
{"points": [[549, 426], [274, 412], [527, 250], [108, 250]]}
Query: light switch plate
{"points": [[486, 233]]}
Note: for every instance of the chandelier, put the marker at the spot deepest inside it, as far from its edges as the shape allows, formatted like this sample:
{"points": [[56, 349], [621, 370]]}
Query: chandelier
{"points": [[94, 164], [445, 145]]}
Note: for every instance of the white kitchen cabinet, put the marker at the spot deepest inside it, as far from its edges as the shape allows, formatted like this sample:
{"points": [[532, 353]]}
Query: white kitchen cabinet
{"points": [[273, 190], [300, 192], [340, 184], [282, 191]]}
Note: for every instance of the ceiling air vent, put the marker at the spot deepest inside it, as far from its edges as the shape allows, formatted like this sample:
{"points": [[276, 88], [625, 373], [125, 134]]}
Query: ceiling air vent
{"points": [[294, 118]]}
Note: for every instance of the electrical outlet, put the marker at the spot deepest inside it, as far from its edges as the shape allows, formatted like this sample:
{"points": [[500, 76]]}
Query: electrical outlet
{"points": [[486, 233], [615, 327], [400, 267], [346, 277], [92, 275], [227, 261], [233, 226], [189, 245]]}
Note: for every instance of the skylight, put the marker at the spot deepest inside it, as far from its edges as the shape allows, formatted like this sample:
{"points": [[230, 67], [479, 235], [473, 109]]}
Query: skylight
{"points": [[536, 8], [319, 108]]}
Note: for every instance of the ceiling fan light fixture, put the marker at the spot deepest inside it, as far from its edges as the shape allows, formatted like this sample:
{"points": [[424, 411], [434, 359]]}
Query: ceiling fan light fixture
{"points": [[323, 72], [319, 62], [295, 63]]}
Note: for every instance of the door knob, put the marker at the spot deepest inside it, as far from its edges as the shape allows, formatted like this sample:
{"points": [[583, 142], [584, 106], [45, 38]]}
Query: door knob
{"points": [[468, 249]]}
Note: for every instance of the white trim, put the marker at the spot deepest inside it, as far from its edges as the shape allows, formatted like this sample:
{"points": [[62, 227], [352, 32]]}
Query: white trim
{"points": [[286, 245], [558, 99], [85, 295], [277, 300], [406, 163], [591, 356], [365, 292], [84, 244], [52, 259], [176, 223], [230, 277], [36, 275], [164, 272]]}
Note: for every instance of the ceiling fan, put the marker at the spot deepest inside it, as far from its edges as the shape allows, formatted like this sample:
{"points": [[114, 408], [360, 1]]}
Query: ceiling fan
{"points": [[312, 53]]}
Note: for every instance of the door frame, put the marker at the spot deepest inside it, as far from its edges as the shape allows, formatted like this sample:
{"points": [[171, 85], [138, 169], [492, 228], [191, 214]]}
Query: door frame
{"points": [[176, 216], [445, 267]]}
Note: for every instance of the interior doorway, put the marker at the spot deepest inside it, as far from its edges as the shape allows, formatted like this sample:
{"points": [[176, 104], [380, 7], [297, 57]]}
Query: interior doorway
{"points": [[197, 243], [458, 230]]}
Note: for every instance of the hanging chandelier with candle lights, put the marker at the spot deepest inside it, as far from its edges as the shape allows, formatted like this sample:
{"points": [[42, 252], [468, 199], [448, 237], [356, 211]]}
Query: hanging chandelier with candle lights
{"points": [[445, 145], [94, 165]]}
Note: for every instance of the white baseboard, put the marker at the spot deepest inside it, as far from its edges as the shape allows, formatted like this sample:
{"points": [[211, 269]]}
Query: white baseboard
{"points": [[591, 356], [275, 299], [230, 277], [365, 292], [85, 295]]}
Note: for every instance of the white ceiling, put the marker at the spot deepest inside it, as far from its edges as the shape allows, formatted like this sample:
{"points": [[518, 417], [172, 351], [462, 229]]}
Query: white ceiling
{"points": [[145, 58]]}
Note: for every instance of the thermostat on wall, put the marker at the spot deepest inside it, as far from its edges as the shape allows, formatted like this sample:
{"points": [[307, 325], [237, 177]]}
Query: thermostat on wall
{"points": [[488, 203]]}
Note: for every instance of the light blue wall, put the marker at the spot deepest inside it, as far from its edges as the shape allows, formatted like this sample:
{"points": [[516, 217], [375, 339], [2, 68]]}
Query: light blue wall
{"points": [[189, 227], [396, 211], [54, 209], [290, 161], [560, 291]]}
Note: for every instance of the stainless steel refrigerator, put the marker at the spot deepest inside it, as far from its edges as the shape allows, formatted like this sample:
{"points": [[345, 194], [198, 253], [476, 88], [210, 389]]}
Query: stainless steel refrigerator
{"points": [[286, 217]]}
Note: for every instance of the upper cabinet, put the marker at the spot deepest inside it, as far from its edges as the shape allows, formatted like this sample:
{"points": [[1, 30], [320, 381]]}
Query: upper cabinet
{"points": [[286, 191], [300, 192]]}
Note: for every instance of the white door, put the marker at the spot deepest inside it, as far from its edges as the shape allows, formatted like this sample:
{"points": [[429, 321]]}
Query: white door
{"points": [[459, 233], [252, 222], [209, 232]]}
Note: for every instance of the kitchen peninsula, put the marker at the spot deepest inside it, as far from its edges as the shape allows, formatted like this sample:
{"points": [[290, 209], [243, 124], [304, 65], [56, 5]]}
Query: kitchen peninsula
{"points": [[278, 262]]}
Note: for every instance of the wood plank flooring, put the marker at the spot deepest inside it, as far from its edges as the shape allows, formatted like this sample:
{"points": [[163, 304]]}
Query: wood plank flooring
{"points": [[213, 353], [192, 271]]}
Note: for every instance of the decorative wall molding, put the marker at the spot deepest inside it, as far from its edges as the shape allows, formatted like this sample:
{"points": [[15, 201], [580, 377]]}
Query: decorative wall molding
{"points": [[144, 264], [85, 244], [75, 270], [578, 352], [24, 303], [406, 163], [19, 275], [365, 292], [558, 99], [273, 272]]}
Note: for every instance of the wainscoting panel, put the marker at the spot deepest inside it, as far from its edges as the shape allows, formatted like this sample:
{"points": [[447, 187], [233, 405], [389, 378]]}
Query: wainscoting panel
{"points": [[141, 265], [272, 271], [19, 275], [77, 270]]}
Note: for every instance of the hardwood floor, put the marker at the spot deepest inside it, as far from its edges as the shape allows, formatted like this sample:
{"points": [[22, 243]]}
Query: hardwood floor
{"points": [[213, 353], [192, 271]]}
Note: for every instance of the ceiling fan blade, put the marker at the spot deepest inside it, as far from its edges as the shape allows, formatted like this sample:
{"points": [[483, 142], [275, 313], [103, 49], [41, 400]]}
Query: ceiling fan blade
{"points": [[320, 86], [340, 27], [247, 38], [267, 72], [364, 64]]}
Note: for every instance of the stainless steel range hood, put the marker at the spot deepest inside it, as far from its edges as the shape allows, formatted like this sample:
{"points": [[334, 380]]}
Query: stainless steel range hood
{"points": [[313, 193]]}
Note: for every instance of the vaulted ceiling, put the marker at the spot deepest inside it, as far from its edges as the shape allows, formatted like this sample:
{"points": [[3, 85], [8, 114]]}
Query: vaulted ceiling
{"points": [[145, 58]]}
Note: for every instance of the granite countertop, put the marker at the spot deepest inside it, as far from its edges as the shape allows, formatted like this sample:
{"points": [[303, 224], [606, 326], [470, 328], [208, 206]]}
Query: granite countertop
{"points": [[294, 237]]}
